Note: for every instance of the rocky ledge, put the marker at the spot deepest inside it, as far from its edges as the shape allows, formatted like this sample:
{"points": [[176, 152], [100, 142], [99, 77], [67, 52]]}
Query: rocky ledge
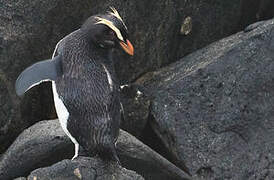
{"points": [[45, 143]]}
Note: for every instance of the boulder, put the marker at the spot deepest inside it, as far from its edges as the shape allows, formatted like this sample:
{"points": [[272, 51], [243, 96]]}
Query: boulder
{"points": [[41, 145], [152, 166], [214, 108], [45, 143], [84, 168], [20, 178]]}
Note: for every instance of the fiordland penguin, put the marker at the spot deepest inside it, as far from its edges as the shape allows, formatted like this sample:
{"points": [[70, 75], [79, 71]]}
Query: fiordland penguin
{"points": [[84, 83]]}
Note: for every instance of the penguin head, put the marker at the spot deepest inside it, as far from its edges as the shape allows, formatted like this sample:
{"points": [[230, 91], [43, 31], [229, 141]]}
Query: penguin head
{"points": [[108, 31]]}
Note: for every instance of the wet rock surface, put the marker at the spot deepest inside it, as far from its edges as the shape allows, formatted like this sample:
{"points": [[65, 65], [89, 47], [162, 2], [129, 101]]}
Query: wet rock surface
{"points": [[213, 109]]}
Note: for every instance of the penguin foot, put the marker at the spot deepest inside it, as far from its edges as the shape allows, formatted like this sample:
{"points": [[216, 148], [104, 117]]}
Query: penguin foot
{"points": [[75, 156]]}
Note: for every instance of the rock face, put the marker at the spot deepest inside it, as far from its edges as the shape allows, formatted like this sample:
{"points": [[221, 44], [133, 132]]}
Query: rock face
{"points": [[262, 9], [265, 10], [84, 168], [210, 21], [214, 108], [45, 143]]}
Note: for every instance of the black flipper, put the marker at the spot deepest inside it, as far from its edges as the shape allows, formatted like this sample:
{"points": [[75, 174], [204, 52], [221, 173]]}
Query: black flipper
{"points": [[47, 70]]}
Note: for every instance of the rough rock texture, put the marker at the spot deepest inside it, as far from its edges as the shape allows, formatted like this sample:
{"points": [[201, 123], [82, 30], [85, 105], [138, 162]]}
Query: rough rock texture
{"points": [[155, 29], [84, 168], [136, 109], [41, 145], [137, 156], [45, 143], [210, 21], [214, 109], [29, 31], [20, 178]]}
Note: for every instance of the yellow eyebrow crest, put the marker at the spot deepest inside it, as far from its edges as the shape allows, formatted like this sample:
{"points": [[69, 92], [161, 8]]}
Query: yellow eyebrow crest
{"points": [[111, 26], [117, 15]]}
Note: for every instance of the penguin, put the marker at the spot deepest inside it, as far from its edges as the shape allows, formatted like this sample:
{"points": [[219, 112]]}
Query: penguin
{"points": [[85, 87]]}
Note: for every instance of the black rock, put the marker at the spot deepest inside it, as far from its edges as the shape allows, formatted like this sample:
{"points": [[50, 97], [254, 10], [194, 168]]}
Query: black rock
{"points": [[20, 178], [38, 146], [45, 143], [84, 168], [137, 156], [210, 21], [135, 109], [265, 10], [214, 108], [155, 26]]}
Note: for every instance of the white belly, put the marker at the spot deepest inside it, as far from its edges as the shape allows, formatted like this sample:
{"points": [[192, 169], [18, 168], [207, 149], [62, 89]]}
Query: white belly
{"points": [[63, 116], [61, 111]]}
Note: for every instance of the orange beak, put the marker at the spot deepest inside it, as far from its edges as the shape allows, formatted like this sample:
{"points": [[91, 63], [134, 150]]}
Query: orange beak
{"points": [[127, 47]]}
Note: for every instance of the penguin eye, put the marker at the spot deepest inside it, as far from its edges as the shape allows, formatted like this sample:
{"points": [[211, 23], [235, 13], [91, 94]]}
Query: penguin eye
{"points": [[111, 33]]}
